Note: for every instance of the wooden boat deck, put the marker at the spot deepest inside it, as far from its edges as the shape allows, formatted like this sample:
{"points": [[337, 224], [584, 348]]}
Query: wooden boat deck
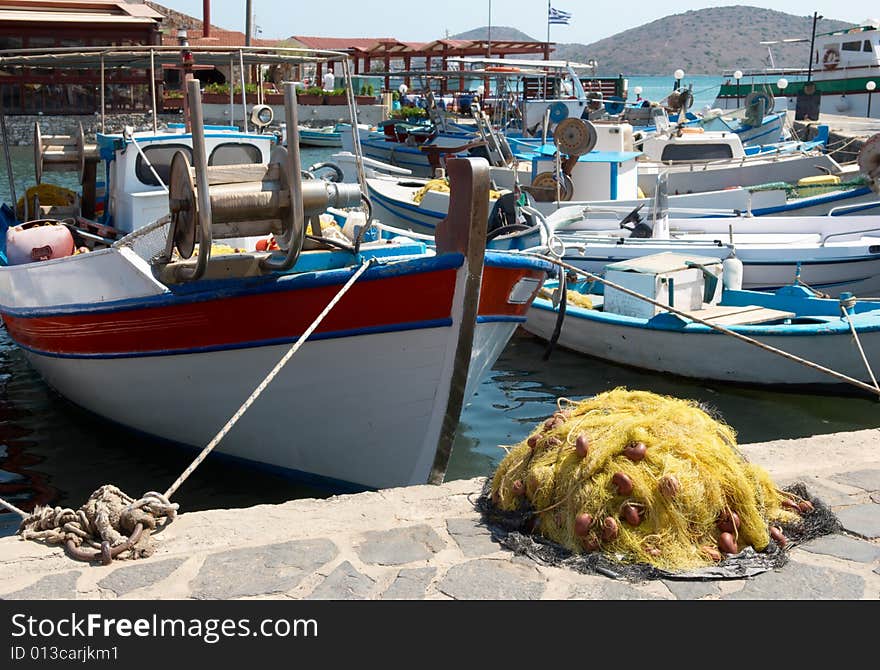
{"points": [[740, 316]]}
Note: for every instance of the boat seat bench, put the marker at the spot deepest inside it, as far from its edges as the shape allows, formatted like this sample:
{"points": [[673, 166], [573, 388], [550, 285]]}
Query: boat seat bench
{"points": [[740, 316]]}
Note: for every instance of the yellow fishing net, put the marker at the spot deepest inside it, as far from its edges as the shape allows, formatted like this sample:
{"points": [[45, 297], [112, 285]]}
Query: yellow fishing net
{"points": [[442, 185], [572, 297], [643, 478]]}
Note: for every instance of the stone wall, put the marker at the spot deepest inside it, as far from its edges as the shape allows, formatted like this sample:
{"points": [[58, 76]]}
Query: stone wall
{"points": [[21, 128]]}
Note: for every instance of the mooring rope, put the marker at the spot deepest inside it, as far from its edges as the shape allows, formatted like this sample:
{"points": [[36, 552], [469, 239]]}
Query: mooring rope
{"points": [[766, 347], [268, 379], [111, 522], [847, 304]]}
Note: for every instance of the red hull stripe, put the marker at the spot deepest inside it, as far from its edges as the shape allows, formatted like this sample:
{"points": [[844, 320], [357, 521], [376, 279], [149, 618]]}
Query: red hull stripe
{"points": [[382, 304]]}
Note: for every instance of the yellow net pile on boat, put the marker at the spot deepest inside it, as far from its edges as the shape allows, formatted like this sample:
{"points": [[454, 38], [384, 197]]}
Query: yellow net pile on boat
{"points": [[442, 186], [643, 478]]}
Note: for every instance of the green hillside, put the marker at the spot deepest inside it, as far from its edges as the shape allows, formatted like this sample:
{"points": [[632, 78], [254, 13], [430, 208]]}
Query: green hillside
{"points": [[705, 41]]}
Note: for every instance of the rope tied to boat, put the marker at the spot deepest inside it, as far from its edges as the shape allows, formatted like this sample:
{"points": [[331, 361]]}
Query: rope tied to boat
{"points": [[111, 524], [847, 302], [874, 390]]}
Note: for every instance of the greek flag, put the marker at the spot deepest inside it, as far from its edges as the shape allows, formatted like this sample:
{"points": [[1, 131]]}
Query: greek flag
{"points": [[556, 16]]}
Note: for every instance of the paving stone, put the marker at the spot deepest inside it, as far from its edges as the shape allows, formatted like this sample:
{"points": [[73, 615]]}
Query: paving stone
{"points": [[609, 589], [139, 575], [252, 571], [861, 520], [472, 538], [798, 581], [487, 579], [410, 584], [400, 546], [844, 547], [863, 479], [51, 587], [829, 496], [875, 497], [344, 583], [691, 590]]}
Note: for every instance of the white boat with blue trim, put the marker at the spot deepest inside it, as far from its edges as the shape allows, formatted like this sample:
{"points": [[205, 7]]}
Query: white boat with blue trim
{"points": [[614, 326]]}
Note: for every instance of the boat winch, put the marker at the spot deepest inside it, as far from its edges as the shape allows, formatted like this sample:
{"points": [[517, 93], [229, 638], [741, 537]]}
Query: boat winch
{"points": [[222, 202]]}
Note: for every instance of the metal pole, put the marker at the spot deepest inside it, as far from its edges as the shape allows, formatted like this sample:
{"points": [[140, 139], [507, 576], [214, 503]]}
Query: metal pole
{"points": [[231, 91], [247, 23], [103, 130], [548, 29], [243, 98], [812, 46], [489, 34], [153, 90]]}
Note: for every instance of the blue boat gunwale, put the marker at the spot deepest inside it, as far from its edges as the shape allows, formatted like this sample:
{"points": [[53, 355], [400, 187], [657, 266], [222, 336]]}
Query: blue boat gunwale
{"points": [[866, 317]]}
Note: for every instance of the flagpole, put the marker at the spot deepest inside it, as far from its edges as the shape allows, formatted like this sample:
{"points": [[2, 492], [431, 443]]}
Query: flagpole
{"points": [[489, 36], [548, 25]]}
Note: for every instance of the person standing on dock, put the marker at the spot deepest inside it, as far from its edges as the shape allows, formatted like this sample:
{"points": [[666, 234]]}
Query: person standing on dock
{"points": [[329, 81]]}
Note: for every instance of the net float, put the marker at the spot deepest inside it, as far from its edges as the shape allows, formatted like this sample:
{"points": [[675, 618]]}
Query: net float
{"points": [[518, 488], [622, 483], [582, 445], [788, 503], [609, 529], [805, 506], [669, 486], [635, 451], [729, 522], [590, 542], [778, 536], [582, 524], [727, 543], [631, 515]]}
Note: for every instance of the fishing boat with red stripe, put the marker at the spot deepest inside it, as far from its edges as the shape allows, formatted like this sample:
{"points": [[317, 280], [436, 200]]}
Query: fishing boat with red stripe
{"points": [[168, 333]]}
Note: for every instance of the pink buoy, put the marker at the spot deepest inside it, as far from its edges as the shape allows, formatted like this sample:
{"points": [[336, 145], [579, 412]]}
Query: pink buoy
{"points": [[38, 241]]}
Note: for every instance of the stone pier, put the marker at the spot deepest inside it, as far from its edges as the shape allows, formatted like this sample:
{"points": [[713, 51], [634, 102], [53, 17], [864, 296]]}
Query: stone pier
{"points": [[428, 543]]}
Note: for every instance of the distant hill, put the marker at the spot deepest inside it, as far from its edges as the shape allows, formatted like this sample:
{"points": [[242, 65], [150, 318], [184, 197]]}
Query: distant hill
{"points": [[498, 33], [704, 41]]}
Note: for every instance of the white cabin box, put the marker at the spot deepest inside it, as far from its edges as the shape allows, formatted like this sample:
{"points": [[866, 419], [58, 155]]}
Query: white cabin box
{"points": [[685, 282]]}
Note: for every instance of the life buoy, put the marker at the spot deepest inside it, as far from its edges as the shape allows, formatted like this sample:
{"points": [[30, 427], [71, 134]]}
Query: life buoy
{"points": [[831, 58]]}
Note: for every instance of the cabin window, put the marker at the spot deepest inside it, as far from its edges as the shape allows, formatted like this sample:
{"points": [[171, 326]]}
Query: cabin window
{"points": [[160, 158], [852, 46], [235, 154], [696, 152], [868, 47]]}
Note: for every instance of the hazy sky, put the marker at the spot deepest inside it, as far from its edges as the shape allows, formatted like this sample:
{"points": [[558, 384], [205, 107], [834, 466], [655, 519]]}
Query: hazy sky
{"points": [[424, 20]]}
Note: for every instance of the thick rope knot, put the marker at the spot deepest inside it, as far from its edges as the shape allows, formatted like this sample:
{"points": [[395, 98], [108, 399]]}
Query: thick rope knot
{"points": [[110, 521]]}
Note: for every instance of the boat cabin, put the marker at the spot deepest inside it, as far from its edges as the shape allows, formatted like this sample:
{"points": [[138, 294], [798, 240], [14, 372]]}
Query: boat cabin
{"points": [[857, 48], [690, 145], [139, 166]]}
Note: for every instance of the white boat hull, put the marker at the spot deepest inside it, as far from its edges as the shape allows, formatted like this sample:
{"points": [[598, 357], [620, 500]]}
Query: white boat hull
{"points": [[710, 356]]}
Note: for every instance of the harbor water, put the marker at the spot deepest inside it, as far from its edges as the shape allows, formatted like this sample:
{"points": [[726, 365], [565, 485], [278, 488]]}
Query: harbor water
{"points": [[52, 452]]}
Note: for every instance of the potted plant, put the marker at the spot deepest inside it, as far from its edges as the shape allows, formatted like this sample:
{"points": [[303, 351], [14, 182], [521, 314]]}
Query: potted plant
{"points": [[366, 96], [336, 97], [216, 94], [314, 95], [172, 100]]}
